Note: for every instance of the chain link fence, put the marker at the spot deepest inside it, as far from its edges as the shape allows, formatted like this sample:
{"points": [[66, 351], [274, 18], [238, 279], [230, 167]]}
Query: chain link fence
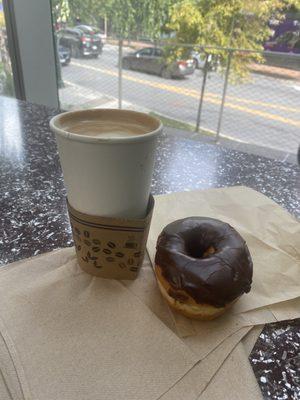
{"points": [[91, 82], [202, 89]]}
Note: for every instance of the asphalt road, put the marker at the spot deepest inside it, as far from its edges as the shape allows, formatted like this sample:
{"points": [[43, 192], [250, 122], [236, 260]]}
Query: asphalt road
{"points": [[264, 111]]}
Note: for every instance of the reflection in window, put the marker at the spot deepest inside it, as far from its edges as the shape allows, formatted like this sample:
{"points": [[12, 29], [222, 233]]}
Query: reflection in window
{"points": [[6, 77], [11, 140]]}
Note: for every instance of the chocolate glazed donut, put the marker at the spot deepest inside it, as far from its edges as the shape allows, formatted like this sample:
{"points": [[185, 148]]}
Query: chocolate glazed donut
{"points": [[202, 265]]}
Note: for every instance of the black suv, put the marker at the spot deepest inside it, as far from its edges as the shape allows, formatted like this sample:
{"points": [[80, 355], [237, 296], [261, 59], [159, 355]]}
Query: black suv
{"points": [[82, 41]]}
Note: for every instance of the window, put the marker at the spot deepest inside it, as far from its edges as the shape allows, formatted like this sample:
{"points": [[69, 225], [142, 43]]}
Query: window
{"points": [[77, 33], [6, 76], [285, 38], [146, 52], [89, 30], [297, 45], [158, 53]]}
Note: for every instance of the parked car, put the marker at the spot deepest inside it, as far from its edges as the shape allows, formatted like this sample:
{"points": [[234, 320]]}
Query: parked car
{"points": [[199, 60], [152, 60], [288, 42], [80, 43], [64, 55], [95, 33]]}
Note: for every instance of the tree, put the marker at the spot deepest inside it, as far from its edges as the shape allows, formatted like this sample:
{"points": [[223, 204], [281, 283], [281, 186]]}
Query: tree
{"points": [[121, 15], [133, 18], [127, 17], [150, 16], [239, 24], [60, 10], [6, 77], [88, 11]]}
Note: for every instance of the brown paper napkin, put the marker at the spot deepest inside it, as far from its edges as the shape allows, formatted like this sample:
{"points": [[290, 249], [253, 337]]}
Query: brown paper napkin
{"points": [[145, 288], [196, 380], [229, 323], [235, 379], [9, 383], [80, 337], [206, 336], [217, 330], [212, 344], [273, 237], [250, 339], [287, 310], [4, 393]]}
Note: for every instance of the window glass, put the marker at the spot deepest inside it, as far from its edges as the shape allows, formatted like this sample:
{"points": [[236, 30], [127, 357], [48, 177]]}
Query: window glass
{"points": [[6, 76], [297, 45], [145, 52], [286, 37], [158, 52], [90, 30]]}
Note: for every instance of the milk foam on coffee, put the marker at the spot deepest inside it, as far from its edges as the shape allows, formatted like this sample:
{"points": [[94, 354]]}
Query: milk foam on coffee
{"points": [[106, 128]]}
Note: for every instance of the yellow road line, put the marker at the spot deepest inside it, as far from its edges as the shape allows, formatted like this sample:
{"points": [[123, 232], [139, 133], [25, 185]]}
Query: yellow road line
{"points": [[187, 91], [210, 97], [258, 102]]}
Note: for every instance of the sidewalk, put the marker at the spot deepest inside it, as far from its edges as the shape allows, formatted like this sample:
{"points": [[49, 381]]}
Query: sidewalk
{"points": [[276, 72], [73, 97]]}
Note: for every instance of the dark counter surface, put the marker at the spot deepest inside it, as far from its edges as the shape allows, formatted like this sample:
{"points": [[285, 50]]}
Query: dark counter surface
{"points": [[33, 215], [32, 197]]}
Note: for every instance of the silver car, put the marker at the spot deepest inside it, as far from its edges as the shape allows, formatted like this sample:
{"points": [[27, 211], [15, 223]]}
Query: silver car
{"points": [[152, 60], [199, 60]]}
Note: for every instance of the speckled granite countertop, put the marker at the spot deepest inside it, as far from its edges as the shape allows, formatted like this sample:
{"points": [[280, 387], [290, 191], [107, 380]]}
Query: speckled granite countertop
{"points": [[33, 215], [32, 197]]}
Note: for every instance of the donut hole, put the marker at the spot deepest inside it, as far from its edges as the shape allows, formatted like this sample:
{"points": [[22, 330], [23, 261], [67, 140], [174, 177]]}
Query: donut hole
{"points": [[209, 251], [194, 250]]}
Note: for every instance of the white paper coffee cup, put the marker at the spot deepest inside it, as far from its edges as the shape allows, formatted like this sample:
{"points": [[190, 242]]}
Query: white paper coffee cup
{"points": [[107, 173]]}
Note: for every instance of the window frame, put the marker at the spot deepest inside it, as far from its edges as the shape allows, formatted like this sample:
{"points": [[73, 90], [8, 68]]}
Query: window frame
{"points": [[32, 50]]}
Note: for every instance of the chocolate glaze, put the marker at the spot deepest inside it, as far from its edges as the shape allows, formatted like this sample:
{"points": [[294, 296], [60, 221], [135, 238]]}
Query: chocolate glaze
{"points": [[177, 295], [216, 279]]}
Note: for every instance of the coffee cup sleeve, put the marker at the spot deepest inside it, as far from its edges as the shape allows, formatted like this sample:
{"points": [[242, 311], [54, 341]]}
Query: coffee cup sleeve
{"points": [[107, 247]]}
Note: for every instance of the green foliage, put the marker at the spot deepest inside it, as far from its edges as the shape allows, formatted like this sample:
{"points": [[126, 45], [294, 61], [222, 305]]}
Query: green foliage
{"points": [[6, 81], [126, 17], [133, 18], [2, 21], [60, 10], [240, 24], [121, 15], [88, 11], [150, 16]]}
